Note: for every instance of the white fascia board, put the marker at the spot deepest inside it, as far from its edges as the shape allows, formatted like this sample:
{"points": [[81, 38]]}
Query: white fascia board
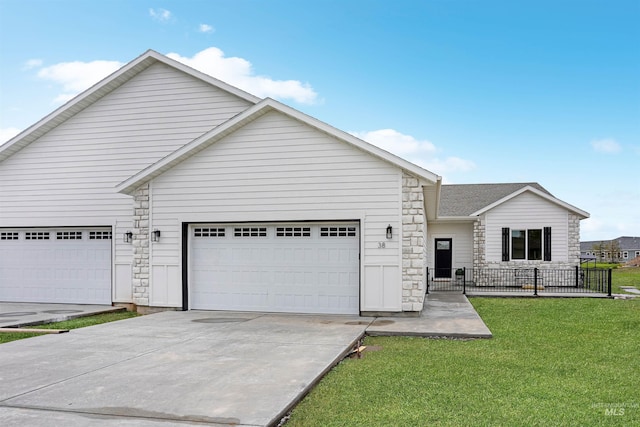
{"points": [[104, 86], [129, 185], [537, 192], [443, 219], [438, 193], [432, 200]]}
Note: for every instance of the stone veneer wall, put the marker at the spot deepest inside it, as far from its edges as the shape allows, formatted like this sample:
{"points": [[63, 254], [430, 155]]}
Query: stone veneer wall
{"points": [[140, 268], [574, 239], [414, 249], [479, 240]]}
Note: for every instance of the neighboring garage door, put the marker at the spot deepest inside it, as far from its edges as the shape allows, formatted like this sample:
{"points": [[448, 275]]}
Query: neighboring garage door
{"points": [[297, 268], [56, 265]]}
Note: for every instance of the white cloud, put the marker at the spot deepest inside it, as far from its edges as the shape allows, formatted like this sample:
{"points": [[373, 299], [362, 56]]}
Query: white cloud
{"points": [[239, 72], [420, 152], [613, 213], [606, 145], [74, 77], [32, 63], [160, 15], [205, 28], [8, 133], [396, 142]]}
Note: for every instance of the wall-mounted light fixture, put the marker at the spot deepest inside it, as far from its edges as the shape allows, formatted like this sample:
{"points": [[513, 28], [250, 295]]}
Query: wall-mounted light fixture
{"points": [[389, 231], [128, 237], [155, 235]]}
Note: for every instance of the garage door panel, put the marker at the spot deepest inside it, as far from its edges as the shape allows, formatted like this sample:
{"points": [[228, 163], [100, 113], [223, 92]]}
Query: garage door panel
{"points": [[60, 266], [286, 268]]}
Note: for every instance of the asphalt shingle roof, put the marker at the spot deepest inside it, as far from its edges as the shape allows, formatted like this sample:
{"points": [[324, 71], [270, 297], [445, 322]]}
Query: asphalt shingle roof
{"points": [[464, 199], [626, 243]]}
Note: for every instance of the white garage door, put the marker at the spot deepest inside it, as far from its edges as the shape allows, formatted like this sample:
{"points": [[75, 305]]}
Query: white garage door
{"points": [[297, 268], [56, 265]]}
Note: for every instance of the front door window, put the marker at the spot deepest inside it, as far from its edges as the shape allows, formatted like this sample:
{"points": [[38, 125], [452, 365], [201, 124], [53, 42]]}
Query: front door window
{"points": [[443, 258]]}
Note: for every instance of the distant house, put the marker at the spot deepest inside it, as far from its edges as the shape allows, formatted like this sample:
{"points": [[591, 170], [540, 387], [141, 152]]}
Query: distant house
{"points": [[163, 187], [622, 249]]}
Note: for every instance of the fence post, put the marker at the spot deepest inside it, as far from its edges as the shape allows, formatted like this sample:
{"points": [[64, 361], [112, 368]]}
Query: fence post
{"points": [[464, 281], [587, 278], [427, 280], [609, 282], [577, 276], [535, 281]]}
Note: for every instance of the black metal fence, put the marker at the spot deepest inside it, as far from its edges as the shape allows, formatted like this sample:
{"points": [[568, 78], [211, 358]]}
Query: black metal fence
{"points": [[522, 280]]}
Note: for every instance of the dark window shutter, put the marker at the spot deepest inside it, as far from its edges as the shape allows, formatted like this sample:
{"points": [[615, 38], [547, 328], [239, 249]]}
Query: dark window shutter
{"points": [[547, 243], [505, 244]]}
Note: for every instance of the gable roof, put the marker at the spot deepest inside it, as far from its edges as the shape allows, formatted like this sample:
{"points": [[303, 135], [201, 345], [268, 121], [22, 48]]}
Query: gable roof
{"points": [[128, 186], [103, 87], [469, 200], [465, 199]]}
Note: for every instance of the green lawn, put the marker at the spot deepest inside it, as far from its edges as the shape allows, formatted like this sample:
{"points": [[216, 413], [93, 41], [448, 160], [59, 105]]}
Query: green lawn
{"points": [[625, 276], [80, 322], [551, 362]]}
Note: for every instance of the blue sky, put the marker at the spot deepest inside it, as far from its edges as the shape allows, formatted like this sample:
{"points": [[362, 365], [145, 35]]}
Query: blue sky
{"points": [[475, 91]]}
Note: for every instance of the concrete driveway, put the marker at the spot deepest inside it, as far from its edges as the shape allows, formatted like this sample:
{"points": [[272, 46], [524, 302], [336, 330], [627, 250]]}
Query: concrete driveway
{"points": [[19, 314], [172, 368]]}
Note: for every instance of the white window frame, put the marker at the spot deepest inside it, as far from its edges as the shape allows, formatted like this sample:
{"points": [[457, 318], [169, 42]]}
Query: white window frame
{"points": [[526, 244]]}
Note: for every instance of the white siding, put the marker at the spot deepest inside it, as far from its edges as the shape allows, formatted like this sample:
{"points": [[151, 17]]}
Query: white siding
{"points": [[278, 169], [70, 173], [67, 177], [527, 211], [462, 242]]}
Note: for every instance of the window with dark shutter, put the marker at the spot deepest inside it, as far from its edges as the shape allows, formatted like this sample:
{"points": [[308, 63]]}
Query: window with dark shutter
{"points": [[505, 244], [518, 244], [534, 244], [547, 243]]}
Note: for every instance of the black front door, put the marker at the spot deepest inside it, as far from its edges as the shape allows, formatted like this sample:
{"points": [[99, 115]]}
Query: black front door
{"points": [[443, 258]]}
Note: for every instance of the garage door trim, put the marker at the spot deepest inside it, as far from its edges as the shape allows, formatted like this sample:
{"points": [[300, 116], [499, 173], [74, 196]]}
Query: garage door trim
{"points": [[188, 229], [75, 281]]}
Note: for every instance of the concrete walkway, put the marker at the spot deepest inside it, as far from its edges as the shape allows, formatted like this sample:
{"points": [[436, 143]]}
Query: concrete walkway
{"points": [[445, 314], [195, 367]]}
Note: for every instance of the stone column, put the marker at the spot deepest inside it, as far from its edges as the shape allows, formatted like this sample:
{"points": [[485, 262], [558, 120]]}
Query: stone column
{"points": [[479, 239], [413, 244], [140, 271], [574, 240]]}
